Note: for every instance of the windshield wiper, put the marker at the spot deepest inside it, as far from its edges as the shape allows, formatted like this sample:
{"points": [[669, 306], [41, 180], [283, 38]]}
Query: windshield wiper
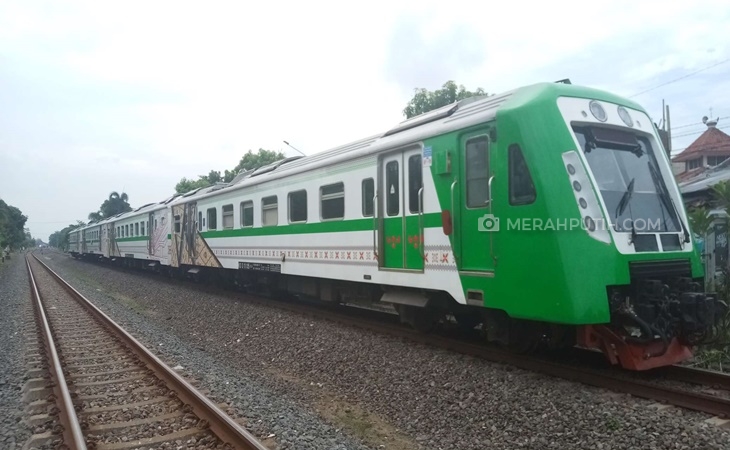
{"points": [[625, 199], [665, 197]]}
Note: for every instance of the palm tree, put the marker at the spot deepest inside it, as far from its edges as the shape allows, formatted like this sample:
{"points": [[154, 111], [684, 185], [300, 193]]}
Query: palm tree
{"points": [[115, 204], [700, 220]]}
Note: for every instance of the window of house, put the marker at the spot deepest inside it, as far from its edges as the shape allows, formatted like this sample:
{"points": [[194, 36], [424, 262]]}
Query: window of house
{"points": [[332, 201], [227, 217], [247, 214], [269, 211], [368, 193], [694, 163], [298, 206], [212, 219], [477, 172], [715, 160], [521, 187]]}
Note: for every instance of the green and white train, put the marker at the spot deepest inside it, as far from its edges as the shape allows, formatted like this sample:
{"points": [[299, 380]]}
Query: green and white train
{"points": [[548, 214]]}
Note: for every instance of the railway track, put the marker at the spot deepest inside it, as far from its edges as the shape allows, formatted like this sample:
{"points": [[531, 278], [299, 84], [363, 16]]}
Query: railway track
{"points": [[110, 391], [675, 385]]}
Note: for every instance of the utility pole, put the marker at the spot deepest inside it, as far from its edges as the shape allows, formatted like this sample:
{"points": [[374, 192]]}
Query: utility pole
{"points": [[668, 124], [665, 132]]}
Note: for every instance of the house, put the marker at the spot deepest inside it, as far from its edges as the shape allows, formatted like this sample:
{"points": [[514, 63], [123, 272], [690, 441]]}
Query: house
{"points": [[708, 150], [707, 162]]}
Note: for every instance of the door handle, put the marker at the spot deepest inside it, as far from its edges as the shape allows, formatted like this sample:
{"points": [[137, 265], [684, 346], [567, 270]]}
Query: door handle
{"points": [[453, 220], [375, 225], [420, 222], [491, 235]]}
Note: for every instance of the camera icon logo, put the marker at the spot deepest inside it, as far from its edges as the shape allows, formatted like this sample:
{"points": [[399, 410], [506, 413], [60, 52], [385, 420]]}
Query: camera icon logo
{"points": [[488, 223]]}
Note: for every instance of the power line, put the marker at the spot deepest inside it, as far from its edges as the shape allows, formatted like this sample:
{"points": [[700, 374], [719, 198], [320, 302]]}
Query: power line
{"points": [[681, 78], [698, 132], [696, 124]]}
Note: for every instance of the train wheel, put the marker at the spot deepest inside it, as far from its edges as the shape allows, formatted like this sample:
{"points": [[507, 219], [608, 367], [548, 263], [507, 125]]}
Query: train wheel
{"points": [[423, 320], [467, 320], [525, 336]]}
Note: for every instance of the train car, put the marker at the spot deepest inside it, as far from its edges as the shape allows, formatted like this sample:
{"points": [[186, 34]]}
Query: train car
{"points": [[91, 239], [549, 214], [74, 242]]}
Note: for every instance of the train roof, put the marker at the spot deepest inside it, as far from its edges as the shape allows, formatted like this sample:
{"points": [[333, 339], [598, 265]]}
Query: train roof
{"points": [[460, 114]]}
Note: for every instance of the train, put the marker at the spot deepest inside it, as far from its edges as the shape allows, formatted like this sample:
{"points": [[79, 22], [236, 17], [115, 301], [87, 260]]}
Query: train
{"points": [[546, 217]]}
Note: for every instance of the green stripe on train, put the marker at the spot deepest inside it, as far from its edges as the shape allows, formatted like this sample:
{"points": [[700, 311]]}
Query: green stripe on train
{"points": [[431, 220]]}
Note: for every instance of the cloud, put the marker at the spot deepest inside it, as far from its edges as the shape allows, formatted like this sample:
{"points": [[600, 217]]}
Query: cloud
{"points": [[96, 97], [421, 57]]}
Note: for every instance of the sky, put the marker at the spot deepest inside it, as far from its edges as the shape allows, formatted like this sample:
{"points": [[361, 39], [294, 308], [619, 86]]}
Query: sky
{"points": [[98, 97]]}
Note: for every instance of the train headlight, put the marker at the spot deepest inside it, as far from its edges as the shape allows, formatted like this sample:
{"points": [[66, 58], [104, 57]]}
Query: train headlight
{"points": [[586, 200], [598, 112], [624, 115], [590, 224]]}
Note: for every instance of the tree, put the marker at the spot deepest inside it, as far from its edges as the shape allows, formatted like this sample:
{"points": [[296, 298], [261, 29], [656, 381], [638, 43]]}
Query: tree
{"points": [[116, 203], [700, 220], [253, 160], [13, 233], [424, 100], [249, 161], [59, 239]]}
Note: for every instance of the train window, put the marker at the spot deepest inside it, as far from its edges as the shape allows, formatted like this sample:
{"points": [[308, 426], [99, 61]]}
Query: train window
{"points": [[477, 172], [155, 224], [212, 218], [392, 186], [332, 201], [142, 230], [227, 217], [136, 229], [269, 211], [521, 187], [298, 206], [415, 183], [200, 221], [247, 214], [126, 230], [368, 192], [177, 223]]}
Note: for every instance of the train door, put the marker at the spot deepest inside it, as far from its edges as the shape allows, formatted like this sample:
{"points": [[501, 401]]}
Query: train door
{"points": [[477, 225], [159, 230], [113, 246], [106, 239], [400, 206]]}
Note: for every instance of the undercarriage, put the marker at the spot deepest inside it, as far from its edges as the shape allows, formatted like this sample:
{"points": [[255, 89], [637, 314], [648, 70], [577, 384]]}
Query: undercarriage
{"points": [[658, 318]]}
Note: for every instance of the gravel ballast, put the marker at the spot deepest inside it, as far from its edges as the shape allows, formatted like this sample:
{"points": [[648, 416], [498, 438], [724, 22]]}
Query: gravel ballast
{"points": [[272, 364], [14, 305]]}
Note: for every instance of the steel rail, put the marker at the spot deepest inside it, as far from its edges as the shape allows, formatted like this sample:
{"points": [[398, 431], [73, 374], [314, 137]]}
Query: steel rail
{"points": [[593, 377], [698, 376], [219, 422], [72, 434]]}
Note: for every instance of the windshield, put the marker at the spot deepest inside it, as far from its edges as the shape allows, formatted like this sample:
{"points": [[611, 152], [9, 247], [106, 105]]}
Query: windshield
{"points": [[631, 185]]}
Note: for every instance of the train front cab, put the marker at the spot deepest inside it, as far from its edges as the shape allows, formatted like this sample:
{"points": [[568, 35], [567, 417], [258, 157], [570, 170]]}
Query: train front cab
{"points": [[559, 240]]}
